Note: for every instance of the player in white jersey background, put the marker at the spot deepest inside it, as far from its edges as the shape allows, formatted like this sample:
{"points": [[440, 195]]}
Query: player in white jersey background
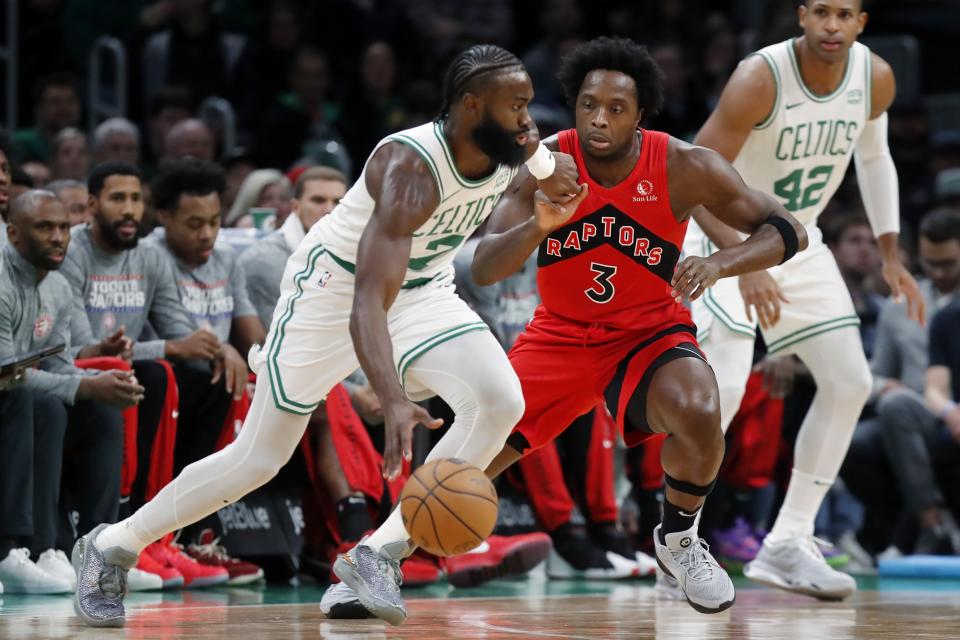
{"points": [[790, 118], [381, 293]]}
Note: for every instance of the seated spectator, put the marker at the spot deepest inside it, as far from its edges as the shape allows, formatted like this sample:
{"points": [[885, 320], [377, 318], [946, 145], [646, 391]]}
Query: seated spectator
{"points": [[317, 192], [32, 428], [858, 258], [116, 139], [194, 52], [213, 291], [74, 196], [38, 172], [121, 284], [20, 182], [899, 447], [56, 105], [190, 138], [36, 304], [71, 155], [169, 106], [372, 109], [947, 189], [263, 189], [301, 123]]}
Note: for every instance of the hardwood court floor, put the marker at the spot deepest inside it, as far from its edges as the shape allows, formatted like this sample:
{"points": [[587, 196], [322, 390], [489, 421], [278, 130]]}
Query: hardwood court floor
{"points": [[887, 609]]}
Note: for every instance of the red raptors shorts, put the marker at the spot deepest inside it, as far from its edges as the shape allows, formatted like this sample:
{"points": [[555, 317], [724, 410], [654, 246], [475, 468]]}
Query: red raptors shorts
{"points": [[567, 368]]}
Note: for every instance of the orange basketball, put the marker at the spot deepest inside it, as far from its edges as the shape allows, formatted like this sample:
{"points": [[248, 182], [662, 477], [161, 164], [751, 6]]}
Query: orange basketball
{"points": [[449, 507]]}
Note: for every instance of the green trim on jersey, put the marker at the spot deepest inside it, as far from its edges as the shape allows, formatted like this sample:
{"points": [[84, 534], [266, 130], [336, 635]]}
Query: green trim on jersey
{"points": [[470, 184], [423, 153], [707, 248], [776, 78], [352, 268], [810, 94], [813, 330], [280, 398], [868, 85], [419, 349]]}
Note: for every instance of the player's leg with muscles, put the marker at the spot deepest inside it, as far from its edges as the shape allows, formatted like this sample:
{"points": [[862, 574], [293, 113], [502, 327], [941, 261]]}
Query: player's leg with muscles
{"points": [[789, 557], [730, 355], [470, 373], [683, 401]]}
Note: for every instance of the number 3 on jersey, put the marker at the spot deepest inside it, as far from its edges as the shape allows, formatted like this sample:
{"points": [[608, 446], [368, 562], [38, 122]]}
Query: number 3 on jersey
{"points": [[604, 290]]}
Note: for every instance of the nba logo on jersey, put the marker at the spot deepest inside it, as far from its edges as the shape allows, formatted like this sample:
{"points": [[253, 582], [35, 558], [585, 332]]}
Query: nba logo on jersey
{"points": [[645, 192]]}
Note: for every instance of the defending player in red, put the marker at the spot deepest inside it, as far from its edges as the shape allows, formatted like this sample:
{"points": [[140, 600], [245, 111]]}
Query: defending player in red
{"points": [[612, 326]]}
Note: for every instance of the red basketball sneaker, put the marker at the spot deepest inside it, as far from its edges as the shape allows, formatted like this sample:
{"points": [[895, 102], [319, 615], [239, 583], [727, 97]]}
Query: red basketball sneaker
{"points": [[194, 573], [497, 557], [419, 570], [212, 554], [170, 576]]}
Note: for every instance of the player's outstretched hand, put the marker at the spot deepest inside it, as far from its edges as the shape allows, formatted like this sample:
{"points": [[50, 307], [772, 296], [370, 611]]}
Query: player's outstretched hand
{"points": [[550, 215], [761, 292], [563, 184], [694, 276], [902, 285], [399, 420]]}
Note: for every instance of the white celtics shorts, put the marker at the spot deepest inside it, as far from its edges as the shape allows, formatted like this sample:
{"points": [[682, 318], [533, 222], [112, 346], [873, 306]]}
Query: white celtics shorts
{"points": [[811, 281], [308, 349]]}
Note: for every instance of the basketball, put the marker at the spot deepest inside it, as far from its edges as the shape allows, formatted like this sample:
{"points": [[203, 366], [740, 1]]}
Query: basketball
{"points": [[449, 507]]}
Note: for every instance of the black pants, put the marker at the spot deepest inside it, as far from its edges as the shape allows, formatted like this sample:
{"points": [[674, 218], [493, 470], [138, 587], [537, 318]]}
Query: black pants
{"points": [[32, 427], [153, 377], [93, 461], [918, 447], [203, 409]]}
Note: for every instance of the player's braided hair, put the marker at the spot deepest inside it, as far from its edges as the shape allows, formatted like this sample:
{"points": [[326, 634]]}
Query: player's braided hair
{"points": [[476, 61]]}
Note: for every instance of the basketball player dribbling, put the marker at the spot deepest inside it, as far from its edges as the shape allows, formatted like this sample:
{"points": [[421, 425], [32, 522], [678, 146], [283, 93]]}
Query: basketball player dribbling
{"points": [[790, 119], [611, 326], [371, 285]]}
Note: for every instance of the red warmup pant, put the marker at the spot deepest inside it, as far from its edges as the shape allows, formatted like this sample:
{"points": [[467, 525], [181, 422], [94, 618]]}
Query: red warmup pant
{"points": [[546, 485], [360, 461]]}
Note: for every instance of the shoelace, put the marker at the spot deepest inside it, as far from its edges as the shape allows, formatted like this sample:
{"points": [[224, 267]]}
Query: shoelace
{"points": [[811, 545], [700, 566], [392, 569], [113, 581], [214, 549], [22, 555]]}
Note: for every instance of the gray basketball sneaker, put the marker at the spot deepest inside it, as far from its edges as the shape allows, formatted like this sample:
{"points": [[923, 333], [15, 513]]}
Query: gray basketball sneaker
{"points": [[705, 584], [375, 578], [101, 581], [797, 565], [339, 602]]}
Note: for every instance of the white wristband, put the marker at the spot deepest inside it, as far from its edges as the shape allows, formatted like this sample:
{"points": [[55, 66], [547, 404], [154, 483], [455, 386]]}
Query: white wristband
{"points": [[541, 163]]}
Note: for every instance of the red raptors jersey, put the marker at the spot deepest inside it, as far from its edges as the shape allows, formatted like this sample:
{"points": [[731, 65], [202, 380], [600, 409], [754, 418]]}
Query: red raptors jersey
{"points": [[612, 262]]}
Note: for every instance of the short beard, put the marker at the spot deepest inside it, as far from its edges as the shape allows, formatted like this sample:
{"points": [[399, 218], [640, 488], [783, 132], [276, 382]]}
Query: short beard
{"points": [[109, 234], [499, 144]]}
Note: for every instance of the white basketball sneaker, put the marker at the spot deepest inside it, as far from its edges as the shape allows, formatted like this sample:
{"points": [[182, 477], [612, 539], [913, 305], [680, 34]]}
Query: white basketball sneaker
{"points": [[20, 575], [797, 564], [56, 563]]}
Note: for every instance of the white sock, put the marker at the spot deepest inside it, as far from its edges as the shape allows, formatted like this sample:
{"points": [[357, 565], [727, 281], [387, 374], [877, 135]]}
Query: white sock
{"points": [[804, 496], [472, 374], [127, 535]]}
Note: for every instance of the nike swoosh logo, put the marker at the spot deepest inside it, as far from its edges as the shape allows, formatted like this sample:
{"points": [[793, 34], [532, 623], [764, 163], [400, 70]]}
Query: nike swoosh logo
{"points": [[796, 104], [687, 515]]}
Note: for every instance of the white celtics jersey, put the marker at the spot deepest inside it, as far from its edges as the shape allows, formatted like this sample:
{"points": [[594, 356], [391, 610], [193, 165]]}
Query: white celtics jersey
{"points": [[464, 205], [800, 153]]}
